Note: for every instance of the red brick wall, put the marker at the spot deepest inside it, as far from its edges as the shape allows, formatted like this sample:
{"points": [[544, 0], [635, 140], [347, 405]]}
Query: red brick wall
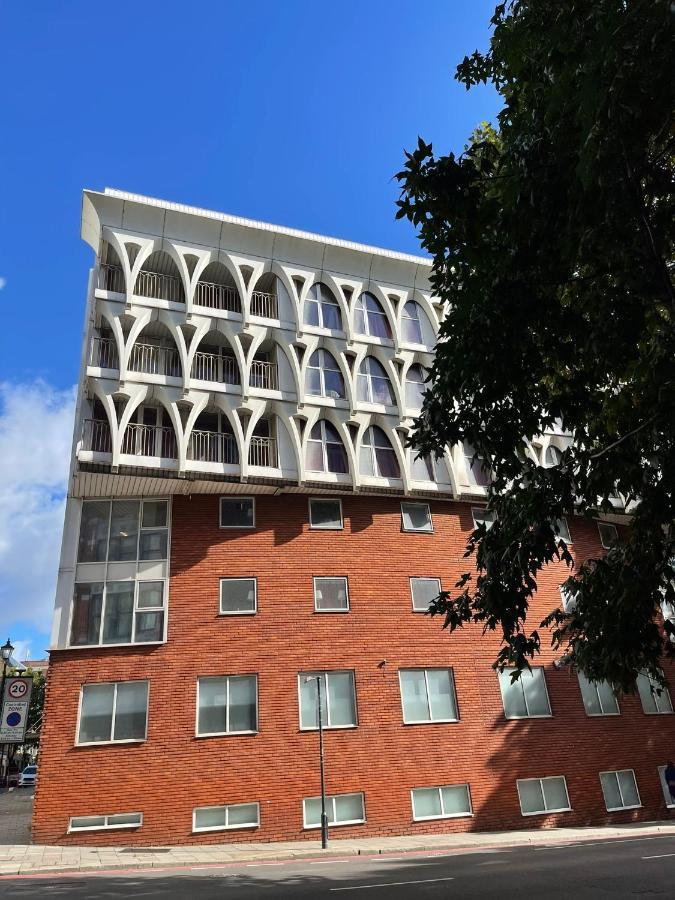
{"points": [[173, 771]]}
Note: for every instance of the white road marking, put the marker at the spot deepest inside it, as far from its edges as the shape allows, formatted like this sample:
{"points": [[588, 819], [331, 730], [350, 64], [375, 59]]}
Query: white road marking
{"points": [[602, 843], [365, 887], [492, 862], [386, 858], [660, 856]]}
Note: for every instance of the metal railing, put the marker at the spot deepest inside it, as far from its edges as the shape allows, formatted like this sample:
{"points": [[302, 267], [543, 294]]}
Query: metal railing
{"points": [[111, 278], [103, 353], [217, 296], [150, 440], [264, 305], [213, 446], [263, 452], [159, 287], [96, 436], [154, 359], [264, 375], [212, 367]]}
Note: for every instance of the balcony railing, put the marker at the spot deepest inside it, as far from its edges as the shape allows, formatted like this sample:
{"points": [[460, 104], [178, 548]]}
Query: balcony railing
{"points": [[264, 305], [264, 375], [159, 287], [104, 353], [212, 367], [263, 452], [96, 436], [154, 359], [217, 296], [111, 278], [213, 446], [150, 440]]}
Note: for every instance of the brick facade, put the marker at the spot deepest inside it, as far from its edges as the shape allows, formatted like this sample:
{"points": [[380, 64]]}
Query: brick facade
{"points": [[173, 771]]}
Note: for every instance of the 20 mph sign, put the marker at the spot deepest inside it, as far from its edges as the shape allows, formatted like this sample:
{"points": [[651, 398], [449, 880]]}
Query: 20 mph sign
{"points": [[15, 704]]}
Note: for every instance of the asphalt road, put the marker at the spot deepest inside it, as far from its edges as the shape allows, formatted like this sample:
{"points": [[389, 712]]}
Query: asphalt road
{"points": [[612, 869]]}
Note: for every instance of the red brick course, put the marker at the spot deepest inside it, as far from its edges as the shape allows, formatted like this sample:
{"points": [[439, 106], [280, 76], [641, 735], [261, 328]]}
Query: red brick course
{"points": [[173, 771]]}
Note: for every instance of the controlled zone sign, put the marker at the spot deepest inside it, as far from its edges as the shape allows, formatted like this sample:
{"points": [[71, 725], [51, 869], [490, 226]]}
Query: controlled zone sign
{"points": [[15, 705]]}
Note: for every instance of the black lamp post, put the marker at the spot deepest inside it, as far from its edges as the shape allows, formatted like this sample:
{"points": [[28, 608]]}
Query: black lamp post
{"points": [[6, 652], [324, 817]]}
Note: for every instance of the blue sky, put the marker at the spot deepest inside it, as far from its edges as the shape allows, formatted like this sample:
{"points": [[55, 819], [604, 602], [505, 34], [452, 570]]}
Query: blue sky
{"points": [[295, 113]]}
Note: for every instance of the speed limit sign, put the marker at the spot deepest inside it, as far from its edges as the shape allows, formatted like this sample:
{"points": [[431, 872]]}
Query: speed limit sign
{"points": [[17, 688]]}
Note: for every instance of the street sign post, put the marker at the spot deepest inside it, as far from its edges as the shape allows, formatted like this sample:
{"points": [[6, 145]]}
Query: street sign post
{"points": [[15, 705]]}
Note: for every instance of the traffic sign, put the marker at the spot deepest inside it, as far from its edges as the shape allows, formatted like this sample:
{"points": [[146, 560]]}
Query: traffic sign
{"points": [[15, 705]]}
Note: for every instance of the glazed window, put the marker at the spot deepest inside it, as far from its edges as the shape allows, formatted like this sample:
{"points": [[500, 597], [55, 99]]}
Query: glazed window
{"points": [[227, 705], [325, 514], [654, 699], [423, 591], [325, 450], [414, 387], [608, 534], [341, 809], [561, 530], [428, 695], [483, 516], [372, 383], [416, 517], [115, 711], [378, 458], [477, 471], [371, 319], [527, 697], [322, 309], [105, 823], [598, 696], [324, 378], [543, 795], [411, 330], [224, 818], [117, 612], [123, 531], [238, 596], [237, 512], [446, 802], [620, 790], [331, 595], [421, 467], [338, 700]]}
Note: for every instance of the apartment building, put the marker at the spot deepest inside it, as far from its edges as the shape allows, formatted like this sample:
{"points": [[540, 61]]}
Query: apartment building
{"points": [[245, 523]]}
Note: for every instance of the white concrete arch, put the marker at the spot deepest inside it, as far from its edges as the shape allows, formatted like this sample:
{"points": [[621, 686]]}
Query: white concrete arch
{"points": [[424, 301], [142, 317], [380, 295], [205, 260], [118, 242], [170, 321], [381, 422], [333, 285], [315, 415], [96, 387], [157, 246], [286, 280], [387, 363], [325, 342], [204, 327], [107, 312], [245, 291]]}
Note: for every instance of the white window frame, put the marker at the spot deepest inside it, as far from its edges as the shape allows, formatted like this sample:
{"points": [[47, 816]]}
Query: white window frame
{"points": [[413, 578], [443, 815], [477, 514], [428, 721], [136, 609], [210, 734], [568, 603], [548, 715], [240, 612], [339, 609], [602, 540], [106, 826], [79, 743], [324, 689], [227, 807], [557, 531], [330, 799], [415, 318], [615, 773], [322, 368], [369, 443], [235, 497], [324, 441], [657, 699], [544, 812], [326, 527], [429, 530], [368, 377], [667, 799], [319, 300], [594, 685]]}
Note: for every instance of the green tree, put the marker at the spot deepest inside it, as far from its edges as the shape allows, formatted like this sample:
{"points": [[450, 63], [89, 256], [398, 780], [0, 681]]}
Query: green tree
{"points": [[552, 245]]}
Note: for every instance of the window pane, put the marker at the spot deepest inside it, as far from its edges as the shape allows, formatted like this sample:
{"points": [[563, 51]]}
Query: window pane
{"points": [[315, 456], [512, 695], [124, 819], [313, 382], [349, 808], [535, 693], [608, 534], [531, 796], [331, 316], [87, 822], [667, 795], [414, 696], [424, 591], [342, 703], [237, 595], [308, 701], [150, 594], [87, 605], [94, 531], [481, 516], [628, 787], [155, 513], [411, 330], [456, 800], [149, 627], [555, 793], [382, 391], [325, 514], [422, 467], [610, 790], [153, 545], [131, 710], [416, 517], [561, 530], [359, 320], [608, 699], [387, 464], [96, 713], [210, 817], [313, 811], [330, 593], [378, 325], [119, 611], [236, 513], [441, 694], [647, 697], [123, 542], [335, 386], [243, 712], [337, 458], [426, 802], [311, 313], [242, 814], [212, 701], [590, 696], [663, 701]]}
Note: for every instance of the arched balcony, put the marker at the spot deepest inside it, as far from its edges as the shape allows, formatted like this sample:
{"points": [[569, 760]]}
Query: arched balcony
{"points": [[150, 433], [110, 271], [155, 353], [323, 377], [265, 297], [103, 350], [372, 383], [160, 279], [325, 450], [371, 319], [212, 439], [263, 449], [215, 362], [377, 457], [217, 289], [96, 428], [322, 309]]}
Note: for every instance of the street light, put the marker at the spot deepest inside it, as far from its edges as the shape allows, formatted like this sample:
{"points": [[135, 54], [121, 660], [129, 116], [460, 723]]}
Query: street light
{"points": [[6, 651], [324, 817]]}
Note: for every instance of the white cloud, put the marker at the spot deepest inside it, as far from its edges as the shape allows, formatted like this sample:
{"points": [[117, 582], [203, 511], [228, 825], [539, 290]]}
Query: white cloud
{"points": [[3, 283], [36, 426]]}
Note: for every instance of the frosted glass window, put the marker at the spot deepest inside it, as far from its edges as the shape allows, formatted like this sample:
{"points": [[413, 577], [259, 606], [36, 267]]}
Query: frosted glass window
{"points": [[445, 802], [423, 591], [227, 705], [325, 514], [331, 595], [237, 595], [338, 699], [652, 700], [598, 696], [526, 697], [341, 809], [115, 711], [620, 790], [543, 795], [416, 517], [428, 695], [219, 818], [237, 512]]}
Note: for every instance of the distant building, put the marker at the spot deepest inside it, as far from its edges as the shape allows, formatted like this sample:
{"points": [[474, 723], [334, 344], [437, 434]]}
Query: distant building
{"points": [[243, 514], [37, 665]]}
